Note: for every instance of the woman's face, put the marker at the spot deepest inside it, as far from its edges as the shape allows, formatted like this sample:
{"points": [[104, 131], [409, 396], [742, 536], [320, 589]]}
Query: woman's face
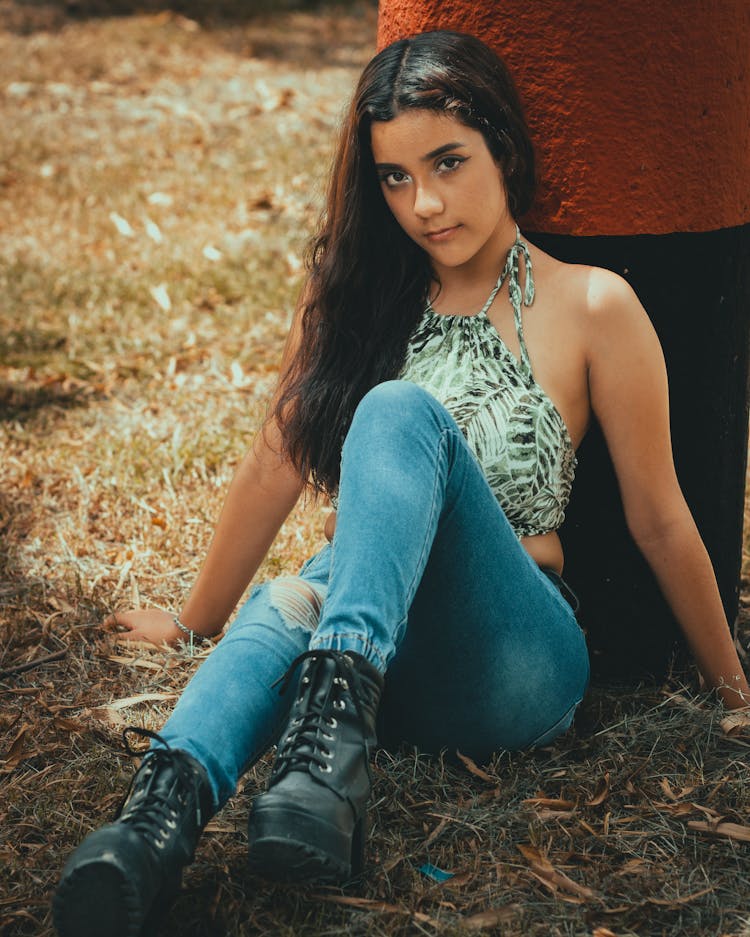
{"points": [[443, 186]]}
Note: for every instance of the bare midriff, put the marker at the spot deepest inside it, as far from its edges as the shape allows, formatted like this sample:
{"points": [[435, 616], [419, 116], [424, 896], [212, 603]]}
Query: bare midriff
{"points": [[544, 549]]}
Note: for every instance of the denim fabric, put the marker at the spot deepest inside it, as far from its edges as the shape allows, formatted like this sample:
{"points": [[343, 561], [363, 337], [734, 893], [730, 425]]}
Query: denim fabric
{"points": [[427, 579]]}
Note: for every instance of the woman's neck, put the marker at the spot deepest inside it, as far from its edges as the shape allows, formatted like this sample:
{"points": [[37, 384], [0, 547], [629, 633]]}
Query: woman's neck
{"points": [[457, 288]]}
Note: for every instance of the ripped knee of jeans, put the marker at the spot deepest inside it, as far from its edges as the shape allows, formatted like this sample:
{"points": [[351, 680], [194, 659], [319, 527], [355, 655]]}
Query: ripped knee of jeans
{"points": [[297, 601]]}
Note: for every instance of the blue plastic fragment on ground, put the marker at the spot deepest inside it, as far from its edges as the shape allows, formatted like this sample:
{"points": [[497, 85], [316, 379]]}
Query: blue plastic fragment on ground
{"points": [[433, 872]]}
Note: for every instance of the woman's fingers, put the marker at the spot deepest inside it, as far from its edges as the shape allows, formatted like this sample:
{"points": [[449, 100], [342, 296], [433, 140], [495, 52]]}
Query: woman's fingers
{"points": [[117, 620], [151, 625]]}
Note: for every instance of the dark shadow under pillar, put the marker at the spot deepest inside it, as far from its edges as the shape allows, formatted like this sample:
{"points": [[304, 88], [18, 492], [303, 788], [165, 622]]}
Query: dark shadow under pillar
{"points": [[696, 290]]}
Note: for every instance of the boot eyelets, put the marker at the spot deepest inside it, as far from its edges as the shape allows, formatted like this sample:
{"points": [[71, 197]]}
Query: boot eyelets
{"points": [[167, 796], [341, 686]]}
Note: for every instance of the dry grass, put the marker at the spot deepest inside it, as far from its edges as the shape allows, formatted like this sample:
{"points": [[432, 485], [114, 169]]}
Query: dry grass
{"points": [[158, 177]]}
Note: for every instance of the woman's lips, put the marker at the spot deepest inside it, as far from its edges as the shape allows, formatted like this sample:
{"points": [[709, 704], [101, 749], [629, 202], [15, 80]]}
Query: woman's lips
{"points": [[443, 234]]}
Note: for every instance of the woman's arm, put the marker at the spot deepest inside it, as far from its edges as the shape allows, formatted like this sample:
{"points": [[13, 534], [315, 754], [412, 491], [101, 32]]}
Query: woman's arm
{"points": [[629, 396], [263, 491], [265, 488]]}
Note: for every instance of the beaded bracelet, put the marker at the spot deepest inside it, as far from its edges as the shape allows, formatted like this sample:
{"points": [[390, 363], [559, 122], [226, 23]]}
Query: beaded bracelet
{"points": [[192, 635]]}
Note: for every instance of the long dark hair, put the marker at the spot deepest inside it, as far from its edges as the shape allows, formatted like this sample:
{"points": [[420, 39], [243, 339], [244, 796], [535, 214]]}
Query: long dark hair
{"points": [[368, 281]]}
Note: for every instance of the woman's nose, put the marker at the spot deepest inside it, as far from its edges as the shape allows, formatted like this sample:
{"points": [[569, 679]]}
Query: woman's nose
{"points": [[427, 202]]}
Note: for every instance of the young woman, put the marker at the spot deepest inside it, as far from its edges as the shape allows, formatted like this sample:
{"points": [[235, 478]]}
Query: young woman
{"points": [[439, 375]]}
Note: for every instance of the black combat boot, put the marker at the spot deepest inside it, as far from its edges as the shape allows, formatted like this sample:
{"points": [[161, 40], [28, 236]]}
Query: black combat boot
{"points": [[123, 877], [310, 823]]}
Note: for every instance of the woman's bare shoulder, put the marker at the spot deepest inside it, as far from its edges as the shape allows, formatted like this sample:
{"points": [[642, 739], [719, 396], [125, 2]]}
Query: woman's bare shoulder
{"points": [[582, 290]]}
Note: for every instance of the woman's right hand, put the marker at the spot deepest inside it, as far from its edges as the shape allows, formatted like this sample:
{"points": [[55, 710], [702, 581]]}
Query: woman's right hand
{"points": [[145, 624]]}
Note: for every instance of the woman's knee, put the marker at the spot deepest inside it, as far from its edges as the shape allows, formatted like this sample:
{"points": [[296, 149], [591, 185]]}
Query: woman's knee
{"points": [[288, 605], [393, 403]]}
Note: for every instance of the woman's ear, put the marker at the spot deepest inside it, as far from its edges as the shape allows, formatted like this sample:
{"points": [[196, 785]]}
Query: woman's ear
{"points": [[508, 169]]}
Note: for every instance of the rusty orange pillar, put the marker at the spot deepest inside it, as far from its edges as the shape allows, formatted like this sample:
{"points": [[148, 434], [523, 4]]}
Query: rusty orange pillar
{"points": [[641, 119]]}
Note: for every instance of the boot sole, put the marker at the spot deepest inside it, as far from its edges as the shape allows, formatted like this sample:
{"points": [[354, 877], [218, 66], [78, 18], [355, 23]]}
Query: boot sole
{"points": [[292, 847], [96, 900]]}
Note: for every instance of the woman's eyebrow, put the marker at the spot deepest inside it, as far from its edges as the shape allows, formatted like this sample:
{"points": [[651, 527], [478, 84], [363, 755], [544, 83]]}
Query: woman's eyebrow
{"points": [[456, 145], [445, 148]]}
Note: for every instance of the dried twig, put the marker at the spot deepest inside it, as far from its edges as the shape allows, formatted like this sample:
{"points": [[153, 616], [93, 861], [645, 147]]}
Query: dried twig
{"points": [[30, 665]]}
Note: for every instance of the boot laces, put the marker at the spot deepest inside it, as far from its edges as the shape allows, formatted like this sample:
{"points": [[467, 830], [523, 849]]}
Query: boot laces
{"points": [[151, 809], [305, 740]]}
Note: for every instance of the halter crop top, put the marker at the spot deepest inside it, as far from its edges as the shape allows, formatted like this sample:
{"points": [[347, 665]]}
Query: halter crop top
{"points": [[510, 424]]}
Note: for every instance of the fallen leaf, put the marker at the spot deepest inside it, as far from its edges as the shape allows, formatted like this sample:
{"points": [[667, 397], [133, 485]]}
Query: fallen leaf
{"points": [[735, 722], [551, 802], [667, 788], [553, 886], [435, 833], [105, 714], [293, 263], [160, 296], [472, 767], [17, 747], [730, 830], [128, 701], [674, 902], [533, 855], [68, 725], [543, 870], [219, 826], [601, 792], [122, 224], [122, 637], [136, 661], [160, 198], [490, 918], [370, 904], [239, 378], [459, 880], [153, 231], [390, 864], [61, 605], [684, 808], [211, 253]]}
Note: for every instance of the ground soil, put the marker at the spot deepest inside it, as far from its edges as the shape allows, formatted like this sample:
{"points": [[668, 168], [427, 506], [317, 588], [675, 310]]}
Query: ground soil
{"points": [[160, 172]]}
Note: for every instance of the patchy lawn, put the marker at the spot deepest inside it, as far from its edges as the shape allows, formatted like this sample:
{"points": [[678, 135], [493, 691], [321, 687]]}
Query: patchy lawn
{"points": [[159, 176]]}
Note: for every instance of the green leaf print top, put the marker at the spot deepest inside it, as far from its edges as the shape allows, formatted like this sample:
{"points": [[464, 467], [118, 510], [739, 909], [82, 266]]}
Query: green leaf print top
{"points": [[510, 424]]}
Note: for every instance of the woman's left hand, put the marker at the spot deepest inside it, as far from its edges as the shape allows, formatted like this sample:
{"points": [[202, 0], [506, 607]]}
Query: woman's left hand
{"points": [[154, 625]]}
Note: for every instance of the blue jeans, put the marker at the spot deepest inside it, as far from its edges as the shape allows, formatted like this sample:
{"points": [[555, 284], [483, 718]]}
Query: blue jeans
{"points": [[426, 578]]}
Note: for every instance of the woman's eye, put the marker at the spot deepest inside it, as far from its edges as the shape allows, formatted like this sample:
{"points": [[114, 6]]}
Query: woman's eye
{"points": [[394, 178], [449, 163]]}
